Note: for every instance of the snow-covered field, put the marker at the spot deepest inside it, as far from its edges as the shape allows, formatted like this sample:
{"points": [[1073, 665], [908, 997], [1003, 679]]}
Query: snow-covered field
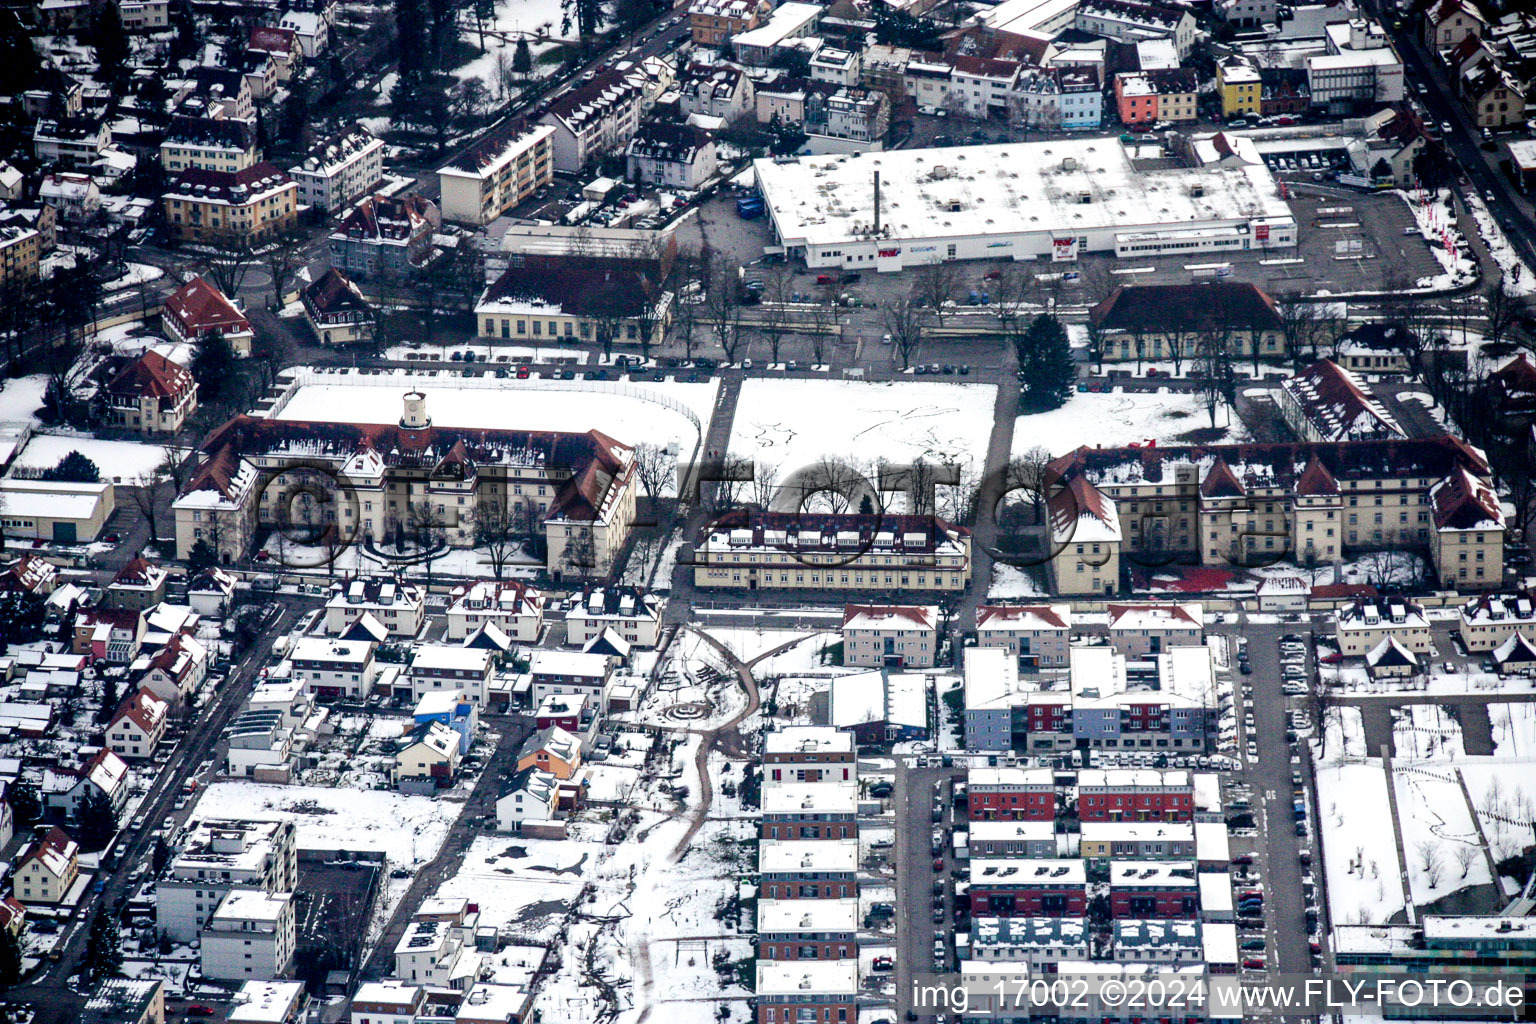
{"points": [[649, 411], [118, 461], [792, 424], [1514, 729], [1012, 582], [1360, 860], [1517, 276], [21, 398], [1425, 732], [1109, 418], [1438, 834]]}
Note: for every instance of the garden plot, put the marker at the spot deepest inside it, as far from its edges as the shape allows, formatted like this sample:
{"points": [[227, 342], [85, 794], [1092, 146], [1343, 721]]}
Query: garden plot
{"points": [[1439, 836], [696, 689], [1353, 678], [793, 424], [1360, 858], [1117, 417], [658, 412], [1425, 732]]}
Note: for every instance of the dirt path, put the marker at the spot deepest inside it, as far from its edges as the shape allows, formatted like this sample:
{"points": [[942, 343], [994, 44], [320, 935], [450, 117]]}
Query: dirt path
{"points": [[640, 945]]}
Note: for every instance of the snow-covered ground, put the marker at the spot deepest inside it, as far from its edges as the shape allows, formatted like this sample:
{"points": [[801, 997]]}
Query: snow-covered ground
{"points": [[1517, 276], [1012, 582], [21, 398], [1438, 834], [632, 413], [1514, 729], [792, 424], [118, 461], [1121, 417], [1425, 732], [1360, 860], [1434, 223]]}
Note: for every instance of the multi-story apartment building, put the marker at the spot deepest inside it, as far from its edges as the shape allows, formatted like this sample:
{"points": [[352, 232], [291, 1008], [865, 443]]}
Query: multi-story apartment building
{"points": [[385, 236], [671, 156], [243, 207], [148, 394], [339, 169], [429, 950], [807, 992], [1165, 94], [568, 674], [1247, 13], [895, 636], [823, 929], [715, 90], [1135, 794], [215, 856], [809, 753], [1237, 80], [442, 667], [251, 935], [750, 549], [1012, 839], [390, 1001], [20, 253], [218, 92], [1035, 942], [1137, 840], [1010, 794], [1363, 624], [1037, 634], [512, 606], [632, 613], [47, 869], [1026, 887], [1263, 503], [1053, 98], [579, 487], [1139, 630], [334, 668], [1107, 703], [1487, 621], [69, 141], [197, 310], [855, 114], [209, 144], [497, 173], [713, 22], [1163, 889], [398, 606], [808, 869], [593, 120], [810, 810]]}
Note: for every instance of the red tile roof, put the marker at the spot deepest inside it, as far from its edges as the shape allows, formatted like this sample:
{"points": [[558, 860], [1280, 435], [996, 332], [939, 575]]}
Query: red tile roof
{"points": [[143, 709], [154, 375], [200, 307]]}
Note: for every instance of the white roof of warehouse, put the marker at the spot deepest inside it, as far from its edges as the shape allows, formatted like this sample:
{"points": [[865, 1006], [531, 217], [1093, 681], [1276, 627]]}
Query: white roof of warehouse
{"points": [[1006, 190]]}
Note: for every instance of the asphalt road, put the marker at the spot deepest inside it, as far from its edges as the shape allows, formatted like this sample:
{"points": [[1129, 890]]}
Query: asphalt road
{"points": [[915, 930], [48, 991]]}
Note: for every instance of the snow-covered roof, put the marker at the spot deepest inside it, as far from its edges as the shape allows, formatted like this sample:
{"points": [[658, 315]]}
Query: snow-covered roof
{"points": [[797, 798], [1145, 874], [805, 739], [1015, 831], [785, 917], [1156, 615], [444, 658], [1133, 779], [568, 663], [42, 499], [795, 856], [1006, 777], [890, 616], [990, 871], [807, 977], [251, 905], [1023, 616], [352, 653]]}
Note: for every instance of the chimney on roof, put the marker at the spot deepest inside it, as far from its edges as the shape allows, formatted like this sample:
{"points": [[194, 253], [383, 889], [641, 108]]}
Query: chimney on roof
{"points": [[877, 203], [415, 416]]}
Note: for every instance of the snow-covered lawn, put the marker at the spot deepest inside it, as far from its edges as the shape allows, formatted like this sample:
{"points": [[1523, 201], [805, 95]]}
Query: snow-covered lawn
{"points": [[1438, 834], [22, 397], [1517, 276], [1505, 797], [524, 886], [1514, 729], [1121, 417], [629, 412], [137, 273], [1012, 582], [792, 424], [118, 461], [747, 644], [1343, 734], [1360, 860], [1425, 732]]}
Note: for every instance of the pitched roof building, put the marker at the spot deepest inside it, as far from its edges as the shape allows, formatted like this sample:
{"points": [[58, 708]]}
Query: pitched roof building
{"points": [[198, 309]]}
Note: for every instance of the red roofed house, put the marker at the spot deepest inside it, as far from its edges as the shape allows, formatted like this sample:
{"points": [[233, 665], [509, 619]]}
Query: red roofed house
{"points": [[1512, 388], [64, 790], [48, 868], [385, 235], [1085, 527], [177, 669], [109, 634], [1137, 630], [1467, 544], [894, 636], [139, 725], [31, 575], [1325, 402], [280, 44], [1037, 633], [198, 309], [336, 311], [13, 916], [149, 394], [139, 585]]}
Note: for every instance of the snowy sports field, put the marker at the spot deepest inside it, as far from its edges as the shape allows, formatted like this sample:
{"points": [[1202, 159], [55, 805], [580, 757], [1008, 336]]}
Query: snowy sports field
{"points": [[792, 424], [632, 413], [118, 461]]}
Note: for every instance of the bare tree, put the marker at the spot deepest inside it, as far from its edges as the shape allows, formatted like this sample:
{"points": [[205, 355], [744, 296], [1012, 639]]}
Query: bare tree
{"points": [[831, 484], [653, 465], [227, 264], [823, 314], [904, 320], [1466, 856], [144, 493], [1029, 478], [765, 483], [1505, 309], [579, 557], [427, 527], [722, 305], [935, 284], [1298, 327], [773, 323], [1098, 285], [497, 531], [1431, 862], [284, 259], [1178, 342], [688, 284]]}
